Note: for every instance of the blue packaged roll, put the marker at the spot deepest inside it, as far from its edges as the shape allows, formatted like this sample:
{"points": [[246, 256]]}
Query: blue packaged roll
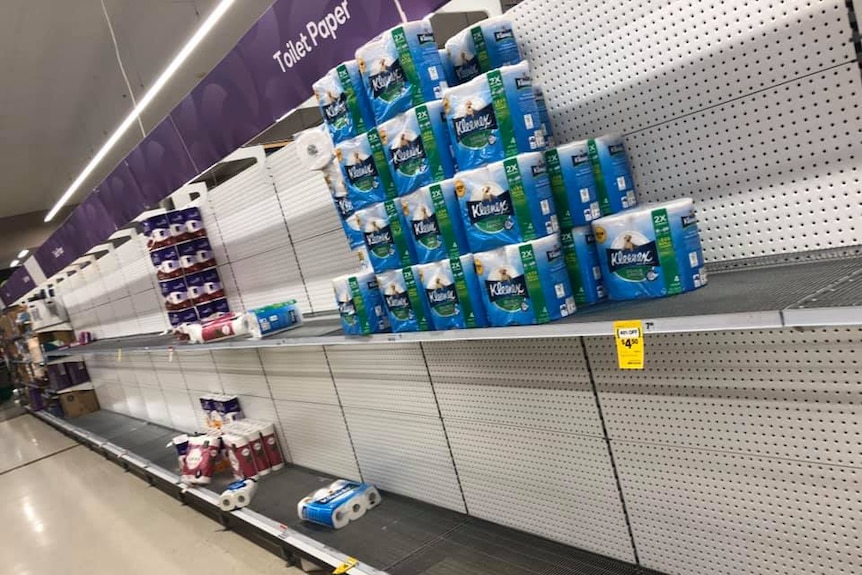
{"points": [[338, 504], [493, 117], [274, 318], [452, 291], [407, 307], [651, 251], [343, 205], [433, 222], [401, 69], [383, 230], [573, 184], [416, 146], [525, 284], [360, 304], [507, 202], [613, 175], [448, 68], [582, 262], [343, 103], [364, 170], [544, 117], [483, 47]]}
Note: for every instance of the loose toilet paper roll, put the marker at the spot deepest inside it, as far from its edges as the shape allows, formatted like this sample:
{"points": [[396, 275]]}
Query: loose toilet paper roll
{"points": [[525, 284], [573, 184], [544, 117], [614, 181], [482, 47], [434, 223], [400, 69], [360, 304], [343, 102], [506, 202], [491, 124], [651, 251], [364, 169], [452, 293], [274, 318], [582, 263], [416, 146], [383, 228], [314, 148], [406, 306]]}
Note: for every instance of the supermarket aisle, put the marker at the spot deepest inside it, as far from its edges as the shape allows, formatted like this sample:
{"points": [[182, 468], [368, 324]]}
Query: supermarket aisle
{"points": [[67, 510]]}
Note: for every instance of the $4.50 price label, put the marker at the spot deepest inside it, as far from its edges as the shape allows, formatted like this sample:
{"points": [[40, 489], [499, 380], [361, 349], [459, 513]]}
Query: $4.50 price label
{"points": [[629, 336]]}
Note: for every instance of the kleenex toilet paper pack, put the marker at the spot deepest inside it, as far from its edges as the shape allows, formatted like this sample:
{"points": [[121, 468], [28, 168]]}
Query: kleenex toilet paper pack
{"points": [[614, 181], [416, 145], [453, 294], [343, 102], [482, 47], [385, 238], [573, 184], [526, 283], [401, 69], [343, 204], [651, 251], [406, 306], [360, 304], [506, 202], [582, 262], [365, 171], [493, 117], [434, 223]]}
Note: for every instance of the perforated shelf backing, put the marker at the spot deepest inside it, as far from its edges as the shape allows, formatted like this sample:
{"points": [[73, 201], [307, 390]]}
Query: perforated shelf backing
{"points": [[751, 108]]}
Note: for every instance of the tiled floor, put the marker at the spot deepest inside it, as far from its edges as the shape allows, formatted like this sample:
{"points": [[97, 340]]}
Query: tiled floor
{"points": [[67, 510]]}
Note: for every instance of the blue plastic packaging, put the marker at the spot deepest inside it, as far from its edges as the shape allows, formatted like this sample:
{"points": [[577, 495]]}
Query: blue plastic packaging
{"points": [[274, 318], [582, 262], [613, 175], [448, 68], [482, 47], [493, 117], [651, 251], [433, 222], [544, 117], [364, 170], [405, 303], [526, 283], [573, 184], [453, 294], [383, 229], [343, 103], [338, 504], [360, 304], [401, 69], [506, 202], [416, 146]]}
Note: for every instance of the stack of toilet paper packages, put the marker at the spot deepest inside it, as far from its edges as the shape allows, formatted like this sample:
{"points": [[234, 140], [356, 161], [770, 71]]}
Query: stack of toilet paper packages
{"points": [[220, 409], [185, 266], [252, 448], [339, 503]]}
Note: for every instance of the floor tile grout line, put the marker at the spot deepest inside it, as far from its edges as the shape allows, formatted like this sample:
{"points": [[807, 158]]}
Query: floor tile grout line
{"points": [[39, 459]]}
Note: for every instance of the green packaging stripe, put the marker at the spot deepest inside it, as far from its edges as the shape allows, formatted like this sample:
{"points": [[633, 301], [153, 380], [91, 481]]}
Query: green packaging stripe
{"points": [[415, 302], [398, 237], [666, 254], [601, 188], [381, 165], [463, 292], [408, 65], [519, 199], [573, 266], [504, 115], [429, 142], [352, 99], [359, 305], [481, 49], [444, 221], [558, 188], [534, 284]]}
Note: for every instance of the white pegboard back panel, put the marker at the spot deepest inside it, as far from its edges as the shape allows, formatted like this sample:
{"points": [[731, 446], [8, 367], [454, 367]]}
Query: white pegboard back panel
{"points": [[299, 375], [268, 278], [322, 258], [241, 372]]}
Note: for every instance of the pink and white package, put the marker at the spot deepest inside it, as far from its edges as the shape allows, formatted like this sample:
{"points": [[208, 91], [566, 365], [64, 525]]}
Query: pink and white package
{"points": [[271, 447], [199, 463], [240, 456]]}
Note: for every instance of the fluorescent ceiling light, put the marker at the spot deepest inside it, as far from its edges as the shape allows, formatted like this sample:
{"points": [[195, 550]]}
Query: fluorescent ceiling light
{"points": [[14, 264], [23, 253], [157, 86]]}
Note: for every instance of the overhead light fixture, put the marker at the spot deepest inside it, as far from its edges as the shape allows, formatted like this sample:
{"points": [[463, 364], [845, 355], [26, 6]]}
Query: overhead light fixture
{"points": [[157, 86], [23, 253], [15, 264]]}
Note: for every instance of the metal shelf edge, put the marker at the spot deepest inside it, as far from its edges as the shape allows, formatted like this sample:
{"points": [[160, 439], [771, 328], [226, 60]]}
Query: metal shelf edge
{"points": [[823, 317]]}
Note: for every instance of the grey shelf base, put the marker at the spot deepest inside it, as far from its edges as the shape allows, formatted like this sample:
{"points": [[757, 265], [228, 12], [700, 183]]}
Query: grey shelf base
{"points": [[402, 536], [825, 291]]}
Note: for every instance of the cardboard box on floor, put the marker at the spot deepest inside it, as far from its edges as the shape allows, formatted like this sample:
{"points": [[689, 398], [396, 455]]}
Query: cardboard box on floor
{"points": [[78, 400]]}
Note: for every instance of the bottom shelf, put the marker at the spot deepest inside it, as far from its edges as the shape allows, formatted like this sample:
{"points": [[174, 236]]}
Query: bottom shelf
{"points": [[402, 536]]}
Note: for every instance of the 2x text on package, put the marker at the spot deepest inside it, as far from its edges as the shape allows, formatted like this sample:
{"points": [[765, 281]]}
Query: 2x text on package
{"points": [[326, 27]]}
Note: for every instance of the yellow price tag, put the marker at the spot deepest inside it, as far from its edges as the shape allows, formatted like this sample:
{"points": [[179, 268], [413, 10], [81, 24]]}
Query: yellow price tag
{"points": [[349, 564], [630, 343]]}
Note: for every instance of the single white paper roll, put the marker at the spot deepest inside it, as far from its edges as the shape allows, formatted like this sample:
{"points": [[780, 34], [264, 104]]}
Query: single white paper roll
{"points": [[245, 494], [357, 507], [372, 498], [227, 500], [314, 148]]}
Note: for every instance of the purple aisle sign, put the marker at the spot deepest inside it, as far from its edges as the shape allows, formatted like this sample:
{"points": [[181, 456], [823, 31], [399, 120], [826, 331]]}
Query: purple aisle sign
{"points": [[417, 9], [122, 195], [90, 222], [271, 70], [58, 251], [18, 284], [160, 164]]}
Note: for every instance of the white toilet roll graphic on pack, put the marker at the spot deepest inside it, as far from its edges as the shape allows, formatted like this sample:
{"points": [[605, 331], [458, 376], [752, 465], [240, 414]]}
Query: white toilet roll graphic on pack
{"points": [[314, 148], [338, 504]]}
